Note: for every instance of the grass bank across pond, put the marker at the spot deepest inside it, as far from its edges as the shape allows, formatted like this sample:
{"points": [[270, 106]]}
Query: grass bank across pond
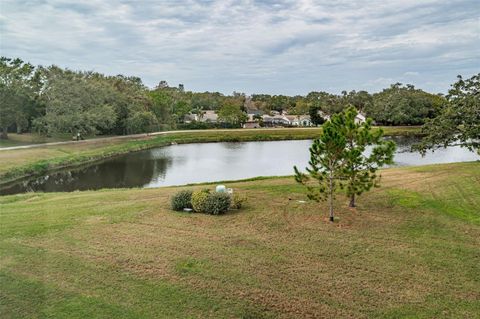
{"points": [[410, 249], [21, 163]]}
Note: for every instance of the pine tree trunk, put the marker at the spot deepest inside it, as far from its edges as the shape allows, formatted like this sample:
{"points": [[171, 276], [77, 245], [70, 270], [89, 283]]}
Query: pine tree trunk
{"points": [[4, 134], [331, 197], [352, 200]]}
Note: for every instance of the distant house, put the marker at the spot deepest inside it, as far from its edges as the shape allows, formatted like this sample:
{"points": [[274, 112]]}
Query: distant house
{"points": [[276, 120], [302, 120], [252, 113], [209, 116], [360, 118], [189, 118], [251, 124]]}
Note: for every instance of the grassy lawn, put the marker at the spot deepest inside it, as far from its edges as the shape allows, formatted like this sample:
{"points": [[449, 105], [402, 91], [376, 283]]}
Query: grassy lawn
{"points": [[410, 250], [29, 138], [35, 161]]}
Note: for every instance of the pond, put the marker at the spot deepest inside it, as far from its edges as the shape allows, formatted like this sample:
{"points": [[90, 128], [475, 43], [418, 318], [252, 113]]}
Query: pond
{"points": [[207, 162]]}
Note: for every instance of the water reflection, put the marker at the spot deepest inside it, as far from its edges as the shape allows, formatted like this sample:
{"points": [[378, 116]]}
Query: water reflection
{"points": [[193, 163]]}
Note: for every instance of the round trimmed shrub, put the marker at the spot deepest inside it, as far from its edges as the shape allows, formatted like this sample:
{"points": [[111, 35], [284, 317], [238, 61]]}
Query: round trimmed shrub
{"points": [[181, 200], [217, 203], [199, 199]]}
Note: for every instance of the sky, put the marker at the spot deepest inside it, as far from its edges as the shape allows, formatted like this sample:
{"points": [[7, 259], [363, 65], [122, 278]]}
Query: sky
{"points": [[275, 47]]}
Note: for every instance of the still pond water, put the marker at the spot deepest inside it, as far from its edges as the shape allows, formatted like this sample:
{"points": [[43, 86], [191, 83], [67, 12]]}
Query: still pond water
{"points": [[207, 162]]}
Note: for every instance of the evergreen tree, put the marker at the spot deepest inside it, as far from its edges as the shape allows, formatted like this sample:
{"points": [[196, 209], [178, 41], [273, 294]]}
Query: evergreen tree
{"points": [[360, 168], [325, 165], [315, 117], [339, 159]]}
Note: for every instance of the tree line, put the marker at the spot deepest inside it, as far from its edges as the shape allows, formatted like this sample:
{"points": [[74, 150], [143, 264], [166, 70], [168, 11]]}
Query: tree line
{"points": [[52, 100]]}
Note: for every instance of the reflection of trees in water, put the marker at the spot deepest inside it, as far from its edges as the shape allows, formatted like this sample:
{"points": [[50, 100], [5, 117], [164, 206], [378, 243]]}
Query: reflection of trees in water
{"points": [[132, 170], [160, 168], [404, 143], [111, 174]]}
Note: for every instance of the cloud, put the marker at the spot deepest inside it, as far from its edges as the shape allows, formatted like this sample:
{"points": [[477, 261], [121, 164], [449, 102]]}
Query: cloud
{"points": [[288, 47]]}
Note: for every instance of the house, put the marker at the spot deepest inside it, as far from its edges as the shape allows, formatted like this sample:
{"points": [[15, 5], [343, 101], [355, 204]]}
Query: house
{"points": [[205, 116], [209, 116], [251, 124], [299, 120], [252, 113], [189, 118], [276, 120], [302, 120], [360, 118]]}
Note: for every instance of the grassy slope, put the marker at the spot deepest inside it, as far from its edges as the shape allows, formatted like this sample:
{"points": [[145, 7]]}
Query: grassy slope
{"points": [[409, 250], [35, 161]]}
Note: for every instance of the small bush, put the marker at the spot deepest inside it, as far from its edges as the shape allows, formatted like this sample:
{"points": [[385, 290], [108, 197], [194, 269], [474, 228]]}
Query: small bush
{"points": [[217, 203], [199, 199], [238, 200], [181, 200]]}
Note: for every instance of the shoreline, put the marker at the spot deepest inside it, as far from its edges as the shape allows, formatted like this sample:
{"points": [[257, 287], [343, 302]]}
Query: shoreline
{"points": [[75, 154]]}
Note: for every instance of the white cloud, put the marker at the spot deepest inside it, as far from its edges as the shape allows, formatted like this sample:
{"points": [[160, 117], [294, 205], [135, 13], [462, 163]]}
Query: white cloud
{"points": [[254, 46]]}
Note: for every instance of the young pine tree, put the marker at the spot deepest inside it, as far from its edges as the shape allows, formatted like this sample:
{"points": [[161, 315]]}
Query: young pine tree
{"points": [[360, 167], [325, 165]]}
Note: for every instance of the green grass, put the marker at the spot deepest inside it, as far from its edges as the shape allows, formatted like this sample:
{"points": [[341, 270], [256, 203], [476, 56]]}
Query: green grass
{"points": [[21, 163], [410, 250], [31, 138]]}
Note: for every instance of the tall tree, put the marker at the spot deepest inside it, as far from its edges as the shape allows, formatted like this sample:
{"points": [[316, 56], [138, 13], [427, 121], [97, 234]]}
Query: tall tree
{"points": [[325, 168], [232, 113], [403, 105], [360, 168], [76, 102], [315, 116], [459, 120], [17, 90]]}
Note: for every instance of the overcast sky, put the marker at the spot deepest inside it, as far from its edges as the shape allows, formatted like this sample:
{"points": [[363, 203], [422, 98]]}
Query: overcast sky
{"points": [[278, 47]]}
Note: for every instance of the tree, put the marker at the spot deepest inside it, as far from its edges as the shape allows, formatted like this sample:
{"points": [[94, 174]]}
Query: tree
{"points": [[362, 100], [141, 122], [459, 120], [181, 109], [315, 116], [403, 105], [327, 155], [127, 95], [76, 102], [232, 113], [359, 167], [17, 90]]}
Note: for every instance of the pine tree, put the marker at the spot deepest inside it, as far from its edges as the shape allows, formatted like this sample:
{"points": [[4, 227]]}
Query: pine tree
{"points": [[360, 167], [325, 165], [339, 158]]}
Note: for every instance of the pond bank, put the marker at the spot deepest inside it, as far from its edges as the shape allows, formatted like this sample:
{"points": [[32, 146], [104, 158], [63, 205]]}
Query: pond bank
{"points": [[206, 162], [29, 162]]}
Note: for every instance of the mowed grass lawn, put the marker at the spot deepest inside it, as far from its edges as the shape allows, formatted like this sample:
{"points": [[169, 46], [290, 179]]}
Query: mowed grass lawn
{"points": [[410, 250]]}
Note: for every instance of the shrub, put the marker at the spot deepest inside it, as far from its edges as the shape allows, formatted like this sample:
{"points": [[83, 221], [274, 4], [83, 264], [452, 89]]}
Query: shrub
{"points": [[199, 199], [181, 200], [217, 203], [238, 200]]}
